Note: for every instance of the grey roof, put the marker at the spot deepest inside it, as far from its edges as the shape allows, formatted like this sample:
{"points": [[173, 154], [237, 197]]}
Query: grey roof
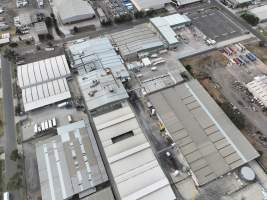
{"points": [[260, 12], [209, 141], [69, 163], [165, 24], [107, 89], [135, 40], [98, 53], [135, 169], [74, 10], [104, 194]]}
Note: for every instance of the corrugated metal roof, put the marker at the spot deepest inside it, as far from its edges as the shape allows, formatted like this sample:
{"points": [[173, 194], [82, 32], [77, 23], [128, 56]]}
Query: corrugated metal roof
{"points": [[149, 4], [98, 53], [210, 143], [107, 90], [74, 10], [164, 26], [69, 163], [258, 88], [135, 169], [44, 82], [135, 40]]}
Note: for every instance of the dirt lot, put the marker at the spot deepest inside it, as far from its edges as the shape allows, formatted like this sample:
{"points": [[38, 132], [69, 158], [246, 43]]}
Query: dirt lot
{"points": [[213, 73]]}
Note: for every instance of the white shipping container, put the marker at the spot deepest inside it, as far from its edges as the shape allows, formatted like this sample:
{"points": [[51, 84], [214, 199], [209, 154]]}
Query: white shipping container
{"points": [[54, 122], [69, 118], [43, 126], [46, 124], [50, 123], [35, 128]]}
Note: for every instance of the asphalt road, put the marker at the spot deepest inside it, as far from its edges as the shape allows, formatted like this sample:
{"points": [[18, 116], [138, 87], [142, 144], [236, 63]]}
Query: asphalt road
{"points": [[9, 124]]}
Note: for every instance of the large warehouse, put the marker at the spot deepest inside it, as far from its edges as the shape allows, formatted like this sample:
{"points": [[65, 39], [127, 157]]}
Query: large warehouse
{"points": [[135, 41], [135, 169], [185, 2], [72, 11], [209, 142], [98, 53], [70, 163], [100, 88], [166, 27], [44, 82], [260, 12], [149, 4]]}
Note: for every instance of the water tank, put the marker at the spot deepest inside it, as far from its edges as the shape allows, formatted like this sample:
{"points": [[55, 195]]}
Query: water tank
{"points": [[247, 173]]}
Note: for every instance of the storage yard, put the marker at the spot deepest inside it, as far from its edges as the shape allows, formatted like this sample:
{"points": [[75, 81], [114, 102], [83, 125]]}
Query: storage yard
{"points": [[226, 81]]}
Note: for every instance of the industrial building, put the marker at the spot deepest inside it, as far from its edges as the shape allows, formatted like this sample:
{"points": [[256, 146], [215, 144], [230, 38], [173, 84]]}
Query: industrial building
{"points": [[149, 4], [44, 82], [101, 89], [185, 2], [260, 12], [69, 163], [136, 41], [167, 25], [258, 88], [92, 54], [240, 3], [73, 11], [134, 167], [209, 142]]}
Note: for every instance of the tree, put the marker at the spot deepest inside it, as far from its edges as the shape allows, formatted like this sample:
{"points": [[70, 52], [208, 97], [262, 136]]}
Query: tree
{"points": [[50, 37], [49, 22], [139, 14], [75, 29], [250, 18]]}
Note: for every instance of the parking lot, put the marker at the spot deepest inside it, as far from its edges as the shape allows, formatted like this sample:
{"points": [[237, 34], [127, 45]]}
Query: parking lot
{"points": [[212, 22], [216, 25]]}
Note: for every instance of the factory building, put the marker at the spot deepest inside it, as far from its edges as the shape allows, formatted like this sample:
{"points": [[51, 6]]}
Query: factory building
{"points": [[167, 25], [44, 82], [135, 169], [240, 3], [209, 142], [69, 163], [73, 11], [258, 88], [137, 42], [101, 90], [149, 4], [93, 54], [260, 12]]}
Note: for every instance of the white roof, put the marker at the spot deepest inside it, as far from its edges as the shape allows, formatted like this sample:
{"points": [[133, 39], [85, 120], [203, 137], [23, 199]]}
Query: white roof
{"points": [[260, 12], [258, 88], [185, 2], [134, 167], [149, 4], [164, 26], [74, 10], [44, 82], [69, 163]]}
